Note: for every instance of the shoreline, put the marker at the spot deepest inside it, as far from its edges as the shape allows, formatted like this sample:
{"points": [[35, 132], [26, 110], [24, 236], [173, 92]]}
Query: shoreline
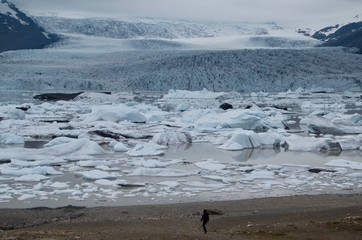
{"points": [[277, 217]]}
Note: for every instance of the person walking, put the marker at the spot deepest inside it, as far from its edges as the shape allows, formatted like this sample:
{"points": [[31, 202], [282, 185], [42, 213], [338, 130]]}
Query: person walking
{"points": [[205, 219]]}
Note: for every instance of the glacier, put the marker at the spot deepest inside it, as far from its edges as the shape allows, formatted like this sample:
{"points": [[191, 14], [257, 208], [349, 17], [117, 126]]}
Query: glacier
{"points": [[159, 55]]}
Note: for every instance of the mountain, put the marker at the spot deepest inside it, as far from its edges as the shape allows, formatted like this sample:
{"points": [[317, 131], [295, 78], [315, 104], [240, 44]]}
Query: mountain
{"points": [[131, 28], [156, 34], [18, 31], [348, 35]]}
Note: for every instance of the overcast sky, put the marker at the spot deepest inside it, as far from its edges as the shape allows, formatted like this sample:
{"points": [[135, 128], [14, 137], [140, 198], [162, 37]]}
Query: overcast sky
{"points": [[206, 10]]}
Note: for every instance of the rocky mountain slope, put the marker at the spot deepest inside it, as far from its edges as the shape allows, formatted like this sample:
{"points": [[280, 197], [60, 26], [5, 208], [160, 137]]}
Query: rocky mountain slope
{"points": [[346, 35], [18, 31]]}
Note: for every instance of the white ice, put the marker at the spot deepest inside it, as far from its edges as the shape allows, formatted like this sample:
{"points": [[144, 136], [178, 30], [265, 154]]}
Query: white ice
{"points": [[345, 163], [161, 172], [147, 149], [141, 159], [210, 165]]}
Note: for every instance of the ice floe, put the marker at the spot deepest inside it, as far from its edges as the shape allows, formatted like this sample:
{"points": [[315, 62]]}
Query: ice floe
{"points": [[11, 138], [107, 148], [97, 174], [172, 138], [161, 172], [147, 149], [210, 165], [153, 163], [345, 163]]}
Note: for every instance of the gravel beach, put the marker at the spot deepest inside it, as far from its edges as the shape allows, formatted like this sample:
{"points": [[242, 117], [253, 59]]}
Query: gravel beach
{"points": [[295, 217]]}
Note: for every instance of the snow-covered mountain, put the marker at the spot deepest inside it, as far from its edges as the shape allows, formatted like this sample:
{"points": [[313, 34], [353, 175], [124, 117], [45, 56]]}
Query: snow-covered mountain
{"points": [[147, 33], [126, 28], [349, 35], [18, 31]]}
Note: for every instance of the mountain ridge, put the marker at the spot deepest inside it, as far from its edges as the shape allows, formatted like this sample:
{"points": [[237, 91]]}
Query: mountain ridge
{"points": [[18, 31], [345, 35]]}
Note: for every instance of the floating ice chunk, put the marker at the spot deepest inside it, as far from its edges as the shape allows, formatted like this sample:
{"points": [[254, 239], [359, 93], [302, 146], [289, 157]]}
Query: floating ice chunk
{"points": [[322, 125], [105, 182], [54, 161], [76, 147], [26, 197], [356, 118], [138, 190], [259, 94], [59, 185], [161, 172], [38, 187], [245, 119], [238, 141], [72, 169], [147, 149], [120, 147], [111, 193], [350, 142], [219, 178], [182, 107], [23, 163], [219, 140], [209, 186], [76, 198], [170, 184], [267, 185], [31, 178], [211, 165], [58, 140], [354, 175], [16, 114], [115, 113], [97, 174], [154, 118], [134, 117], [294, 181], [172, 138], [345, 164], [288, 165], [259, 174], [131, 195], [265, 140], [6, 154], [41, 170], [65, 191], [5, 198], [107, 168], [192, 115], [184, 94], [319, 125], [93, 163], [99, 98], [10, 138], [128, 184], [348, 123], [299, 143], [153, 163]]}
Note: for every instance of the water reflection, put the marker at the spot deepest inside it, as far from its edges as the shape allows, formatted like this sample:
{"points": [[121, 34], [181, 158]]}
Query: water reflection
{"points": [[201, 151]]}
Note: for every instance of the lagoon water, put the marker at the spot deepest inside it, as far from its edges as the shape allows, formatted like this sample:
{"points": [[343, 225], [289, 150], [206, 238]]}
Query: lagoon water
{"points": [[240, 174]]}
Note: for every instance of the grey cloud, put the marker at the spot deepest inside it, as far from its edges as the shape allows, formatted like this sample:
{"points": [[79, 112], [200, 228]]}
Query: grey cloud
{"points": [[208, 10]]}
